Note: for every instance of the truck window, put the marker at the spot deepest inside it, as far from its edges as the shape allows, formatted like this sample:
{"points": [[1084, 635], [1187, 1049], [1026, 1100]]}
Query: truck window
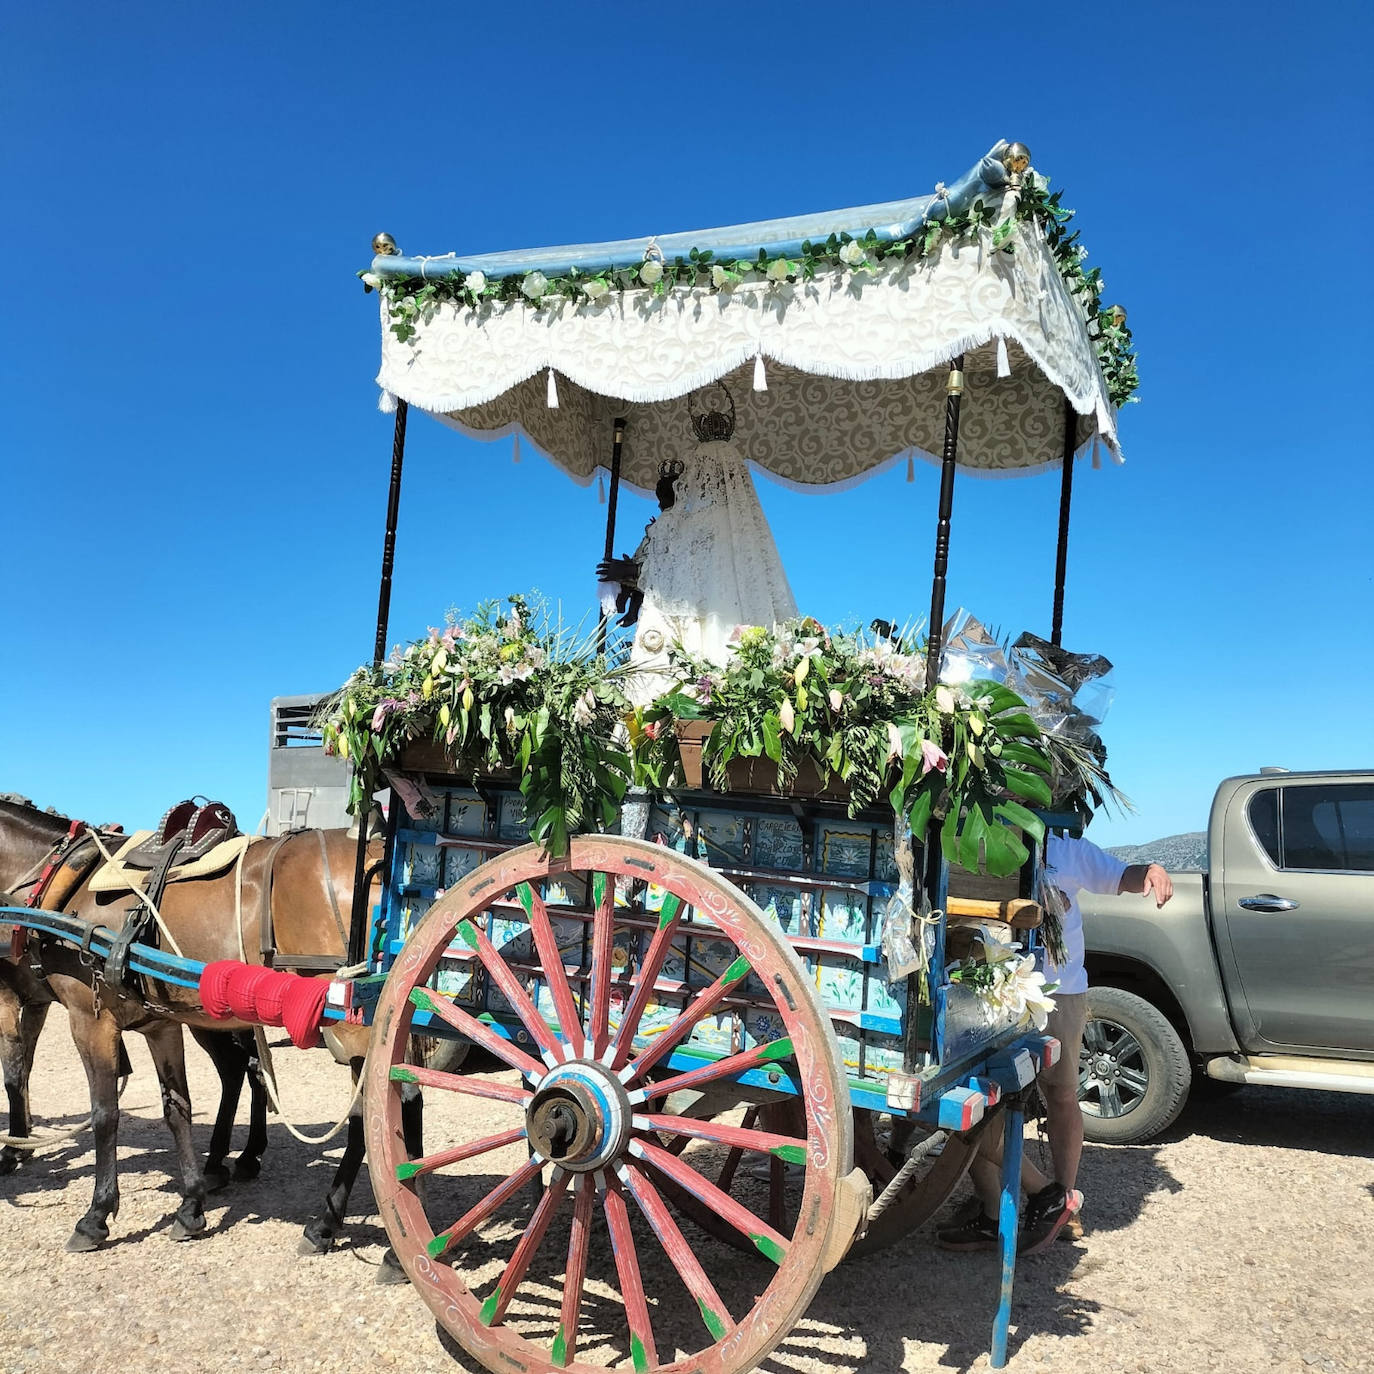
{"points": [[1264, 821], [1329, 827]]}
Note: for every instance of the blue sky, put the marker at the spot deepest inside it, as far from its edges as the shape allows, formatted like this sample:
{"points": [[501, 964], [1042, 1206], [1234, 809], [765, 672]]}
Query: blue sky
{"points": [[194, 470]]}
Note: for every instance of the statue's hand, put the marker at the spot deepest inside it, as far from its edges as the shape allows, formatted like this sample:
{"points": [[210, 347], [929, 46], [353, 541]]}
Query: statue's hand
{"points": [[629, 601], [622, 570]]}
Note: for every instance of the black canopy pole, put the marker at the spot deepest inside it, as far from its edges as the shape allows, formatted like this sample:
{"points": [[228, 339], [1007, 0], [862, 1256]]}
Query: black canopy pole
{"points": [[357, 928], [1061, 561], [933, 876], [954, 390], [611, 501], [393, 506]]}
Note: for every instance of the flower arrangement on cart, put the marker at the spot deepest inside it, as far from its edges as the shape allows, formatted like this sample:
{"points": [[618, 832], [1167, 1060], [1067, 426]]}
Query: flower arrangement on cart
{"points": [[512, 691]]}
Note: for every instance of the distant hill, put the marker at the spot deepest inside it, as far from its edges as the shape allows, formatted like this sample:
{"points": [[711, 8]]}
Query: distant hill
{"points": [[1173, 851]]}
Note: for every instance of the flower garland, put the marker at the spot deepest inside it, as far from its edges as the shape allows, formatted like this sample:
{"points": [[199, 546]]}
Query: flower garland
{"points": [[506, 690], [413, 300], [858, 708]]}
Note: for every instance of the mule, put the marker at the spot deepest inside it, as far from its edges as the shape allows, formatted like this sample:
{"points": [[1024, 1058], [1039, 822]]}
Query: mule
{"points": [[28, 838], [303, 883]]}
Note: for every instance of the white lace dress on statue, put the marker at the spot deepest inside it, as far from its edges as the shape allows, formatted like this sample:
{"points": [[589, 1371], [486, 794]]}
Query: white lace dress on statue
{"points": [[708, 565]]}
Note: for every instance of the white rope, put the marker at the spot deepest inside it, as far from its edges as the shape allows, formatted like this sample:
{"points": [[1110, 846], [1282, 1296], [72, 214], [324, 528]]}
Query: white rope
{"points": [[269, 1081], [41, 1144], [142, 896]]}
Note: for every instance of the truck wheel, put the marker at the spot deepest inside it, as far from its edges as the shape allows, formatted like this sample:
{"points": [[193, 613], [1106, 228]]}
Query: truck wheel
{"points": [[1133, 1071]]}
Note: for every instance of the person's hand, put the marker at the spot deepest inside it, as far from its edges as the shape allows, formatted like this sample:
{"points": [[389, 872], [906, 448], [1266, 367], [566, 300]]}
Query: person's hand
{"points": [[622, 570], [1158, 882]]}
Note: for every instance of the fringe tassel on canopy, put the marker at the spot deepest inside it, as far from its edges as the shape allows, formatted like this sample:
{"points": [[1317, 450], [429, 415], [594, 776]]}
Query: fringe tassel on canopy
{"points": [[760, 376], [553, 391], [1003, 362]]}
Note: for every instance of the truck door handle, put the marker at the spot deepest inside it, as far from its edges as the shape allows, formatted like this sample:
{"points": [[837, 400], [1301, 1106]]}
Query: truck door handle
{"points": [[1267, 901]]}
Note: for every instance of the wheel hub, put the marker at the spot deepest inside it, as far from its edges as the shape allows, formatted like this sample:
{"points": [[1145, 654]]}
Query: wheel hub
{"points": [[1104, 1066], [579, 1116]]}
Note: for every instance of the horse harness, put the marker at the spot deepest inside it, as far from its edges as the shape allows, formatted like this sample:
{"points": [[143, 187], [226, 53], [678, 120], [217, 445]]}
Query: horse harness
{"points": [[188, 831]]}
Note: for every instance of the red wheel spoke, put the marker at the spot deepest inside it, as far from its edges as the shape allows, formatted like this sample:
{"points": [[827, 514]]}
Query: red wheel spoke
{"points": [[427, 1164], [786, 1147], [565, 1342], [713, 1311], [642, 1349], [668, 920], [494, 1309], [551, 961], [768, 1241], [501, 974], [459, 1083], [473, 1218], [444, 1008], [603, 943], [766, 1053], [702, 1006]]}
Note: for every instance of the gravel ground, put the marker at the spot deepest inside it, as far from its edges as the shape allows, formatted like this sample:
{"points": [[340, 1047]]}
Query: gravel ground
{"points": [[1240, 1242]]}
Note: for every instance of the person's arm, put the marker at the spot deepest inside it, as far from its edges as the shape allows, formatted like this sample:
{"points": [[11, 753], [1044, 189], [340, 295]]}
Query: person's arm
{"points": [[1145, 878]]}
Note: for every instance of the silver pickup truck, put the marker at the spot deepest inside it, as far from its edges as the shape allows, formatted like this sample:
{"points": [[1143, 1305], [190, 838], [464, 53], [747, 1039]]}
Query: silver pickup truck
{"points": [[1260, 970]]}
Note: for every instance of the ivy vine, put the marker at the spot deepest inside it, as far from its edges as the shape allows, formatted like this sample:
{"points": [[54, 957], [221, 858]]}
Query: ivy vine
{"points": [[412, 301]]}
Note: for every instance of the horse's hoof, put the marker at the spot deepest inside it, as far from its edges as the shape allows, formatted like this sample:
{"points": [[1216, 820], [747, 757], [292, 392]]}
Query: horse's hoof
{"points": [[9, 1161], [315, 1245], [182, 1230], [216, 1177], [81, 1244], [389, 1271], [247, 1168]]}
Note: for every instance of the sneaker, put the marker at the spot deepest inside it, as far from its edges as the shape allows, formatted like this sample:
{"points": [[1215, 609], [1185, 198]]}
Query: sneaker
{"points": [[1072, 1229], [1045, 1215], [979, 1232]]}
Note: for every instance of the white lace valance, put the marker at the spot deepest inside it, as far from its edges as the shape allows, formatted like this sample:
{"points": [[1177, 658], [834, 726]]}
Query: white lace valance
{"points": [[855, 367]]}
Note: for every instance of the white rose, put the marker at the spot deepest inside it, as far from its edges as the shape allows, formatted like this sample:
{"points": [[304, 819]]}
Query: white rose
{"points": [[651, 272], [720, 278], [944, 699], [476, 282], [778, 269], [852, 253], [534, 285], [595, 289], [371, 280]]}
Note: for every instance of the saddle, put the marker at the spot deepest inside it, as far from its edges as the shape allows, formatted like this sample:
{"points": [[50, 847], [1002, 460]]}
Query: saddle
{"points": [[189, 830]]}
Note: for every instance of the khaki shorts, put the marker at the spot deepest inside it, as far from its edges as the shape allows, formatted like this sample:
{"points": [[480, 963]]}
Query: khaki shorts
{"points": [[1066, 1023]]}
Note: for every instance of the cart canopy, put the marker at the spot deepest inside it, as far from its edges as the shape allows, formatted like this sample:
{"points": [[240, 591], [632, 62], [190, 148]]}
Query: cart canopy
{"points": [[833, 339]]}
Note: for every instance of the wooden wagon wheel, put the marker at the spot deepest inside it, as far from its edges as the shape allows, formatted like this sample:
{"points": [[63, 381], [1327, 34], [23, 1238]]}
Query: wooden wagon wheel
{"points": [[584, 1125], [772, 1190]]}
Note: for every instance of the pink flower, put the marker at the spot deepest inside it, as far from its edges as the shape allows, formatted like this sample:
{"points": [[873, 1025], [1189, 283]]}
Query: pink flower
{"points": [[384, 708], [933, 757]]}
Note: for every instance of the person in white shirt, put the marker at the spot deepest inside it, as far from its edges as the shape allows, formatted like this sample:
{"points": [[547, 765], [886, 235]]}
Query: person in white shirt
{"points": [[1072, 866]]}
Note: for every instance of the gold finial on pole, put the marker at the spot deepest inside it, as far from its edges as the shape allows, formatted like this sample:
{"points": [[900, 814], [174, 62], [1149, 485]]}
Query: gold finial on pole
{"points": [[1016, 157]]}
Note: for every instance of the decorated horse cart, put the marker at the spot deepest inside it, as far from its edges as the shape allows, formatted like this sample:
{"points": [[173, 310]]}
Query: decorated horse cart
{"points": [[733, 937]]}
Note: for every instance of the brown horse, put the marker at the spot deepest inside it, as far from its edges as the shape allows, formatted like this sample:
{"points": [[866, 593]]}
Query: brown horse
{"points": [[28, 838], [304, 883]]}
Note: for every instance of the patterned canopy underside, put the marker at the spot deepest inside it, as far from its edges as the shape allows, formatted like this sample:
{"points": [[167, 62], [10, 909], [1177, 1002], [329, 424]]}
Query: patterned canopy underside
{"points": [[856, 369]]}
